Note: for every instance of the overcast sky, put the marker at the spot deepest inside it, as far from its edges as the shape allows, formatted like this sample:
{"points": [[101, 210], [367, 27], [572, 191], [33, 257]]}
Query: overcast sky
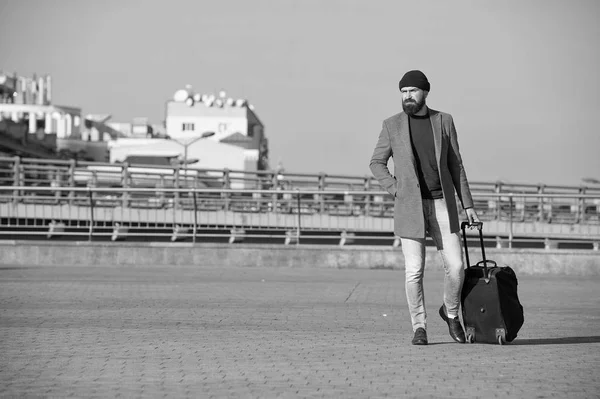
{"points": [[521, 78]]}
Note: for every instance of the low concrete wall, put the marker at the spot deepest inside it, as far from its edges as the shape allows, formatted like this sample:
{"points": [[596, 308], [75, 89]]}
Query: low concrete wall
{"points": [[42, 253]]}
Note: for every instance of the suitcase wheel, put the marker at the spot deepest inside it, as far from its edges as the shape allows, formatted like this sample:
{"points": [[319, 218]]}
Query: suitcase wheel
{"points": [[470, 335], [501, 336]]}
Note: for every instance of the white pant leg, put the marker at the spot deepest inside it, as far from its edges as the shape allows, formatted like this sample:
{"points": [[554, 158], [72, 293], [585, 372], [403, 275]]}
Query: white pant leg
{"points": [[449, 246], [414, 260]]}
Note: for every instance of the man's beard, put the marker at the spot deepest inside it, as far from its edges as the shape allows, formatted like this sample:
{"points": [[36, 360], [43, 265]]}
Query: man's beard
{"points": [[412, 107]]}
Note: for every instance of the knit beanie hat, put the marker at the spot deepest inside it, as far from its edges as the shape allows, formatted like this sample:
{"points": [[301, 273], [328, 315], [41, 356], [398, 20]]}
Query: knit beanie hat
{"points": [[414, 78]]}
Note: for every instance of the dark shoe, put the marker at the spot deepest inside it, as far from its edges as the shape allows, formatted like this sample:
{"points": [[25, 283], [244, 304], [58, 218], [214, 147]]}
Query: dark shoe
{"points": [[454, 327], [420, 337]]}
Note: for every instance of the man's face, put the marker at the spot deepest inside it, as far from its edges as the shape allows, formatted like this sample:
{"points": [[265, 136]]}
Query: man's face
{"points": [[413, 99]]}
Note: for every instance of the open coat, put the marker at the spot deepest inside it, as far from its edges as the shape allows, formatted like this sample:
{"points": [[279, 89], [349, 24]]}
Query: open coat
{"points": [[394, 141]]}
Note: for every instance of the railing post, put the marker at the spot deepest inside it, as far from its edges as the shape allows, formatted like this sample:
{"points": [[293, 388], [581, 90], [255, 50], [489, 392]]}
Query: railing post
{"points": [[72, 168], [15, 169], [498, 190], [176, 201], [299, 224], [580, 206], [226, 185], [523, 217], [91, 230], [510, 221], [541, 216], [322, 185], [274, 187], [367, 188], [16, 178], [93, 182], [161, 185], [125, 184], [195, 215], [56, 182]]}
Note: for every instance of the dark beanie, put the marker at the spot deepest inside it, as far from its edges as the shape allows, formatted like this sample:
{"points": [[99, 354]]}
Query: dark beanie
{"points": [[414, 79]]}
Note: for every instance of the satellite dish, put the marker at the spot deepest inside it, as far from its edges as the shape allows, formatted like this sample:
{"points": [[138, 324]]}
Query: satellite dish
{"points": [[230, 101], [197, 97], [189, 101], [210, 100], [240, 102], [222, 94], [219, 103], [181, 95]]}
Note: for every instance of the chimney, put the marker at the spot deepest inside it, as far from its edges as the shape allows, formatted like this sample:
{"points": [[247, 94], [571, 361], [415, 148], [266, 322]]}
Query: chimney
{"points": [[48, 90], [40, 91]]}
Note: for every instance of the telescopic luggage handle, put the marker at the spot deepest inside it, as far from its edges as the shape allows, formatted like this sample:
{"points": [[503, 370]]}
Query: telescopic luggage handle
{"points": [[479, 226]]}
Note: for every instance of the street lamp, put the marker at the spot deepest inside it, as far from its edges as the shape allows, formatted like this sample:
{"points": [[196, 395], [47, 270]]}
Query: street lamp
{"points": [[187, 144]]}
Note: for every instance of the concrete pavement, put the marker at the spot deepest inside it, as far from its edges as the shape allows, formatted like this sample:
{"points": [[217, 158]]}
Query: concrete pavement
{"points": [[187, 331]]}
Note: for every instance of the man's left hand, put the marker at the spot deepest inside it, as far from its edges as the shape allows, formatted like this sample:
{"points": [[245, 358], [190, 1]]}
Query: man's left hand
{"points": [[472, 217]]}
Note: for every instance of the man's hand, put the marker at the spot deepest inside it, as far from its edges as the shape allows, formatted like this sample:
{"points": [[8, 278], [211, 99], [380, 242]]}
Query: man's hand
{"points": [[472, 217]]}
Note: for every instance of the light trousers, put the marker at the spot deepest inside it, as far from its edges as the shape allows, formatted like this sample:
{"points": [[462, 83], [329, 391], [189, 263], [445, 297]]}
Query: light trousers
{"points": [[437, 225]]}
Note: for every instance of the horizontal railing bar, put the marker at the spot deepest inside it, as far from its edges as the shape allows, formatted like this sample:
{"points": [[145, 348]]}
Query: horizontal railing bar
{"points": [[271, 192], [287, 176], [303, 236]]}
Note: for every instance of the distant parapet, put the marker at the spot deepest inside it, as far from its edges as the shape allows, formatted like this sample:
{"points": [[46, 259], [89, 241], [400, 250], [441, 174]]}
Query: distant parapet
{"points": [[191, 98], [100, 118], [15, 89]]}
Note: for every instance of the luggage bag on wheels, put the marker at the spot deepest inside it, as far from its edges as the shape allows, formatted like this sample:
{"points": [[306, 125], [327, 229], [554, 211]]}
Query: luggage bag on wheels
{"points": [[491, 309]]}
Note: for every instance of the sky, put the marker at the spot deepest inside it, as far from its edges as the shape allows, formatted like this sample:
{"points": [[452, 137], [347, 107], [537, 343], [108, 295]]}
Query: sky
{"points": [[520, 78]]}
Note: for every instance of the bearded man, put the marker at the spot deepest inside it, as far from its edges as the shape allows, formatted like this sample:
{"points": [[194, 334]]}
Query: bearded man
{"points": [[428, 169]]}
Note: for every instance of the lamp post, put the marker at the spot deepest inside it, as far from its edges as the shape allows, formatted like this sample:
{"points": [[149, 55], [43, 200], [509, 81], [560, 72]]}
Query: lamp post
{"points": [[187, 144], [185, 159]]}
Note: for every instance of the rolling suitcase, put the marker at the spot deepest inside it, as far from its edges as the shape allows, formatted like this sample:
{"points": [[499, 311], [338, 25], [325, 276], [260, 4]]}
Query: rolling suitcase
{"points": [[491, 309]]}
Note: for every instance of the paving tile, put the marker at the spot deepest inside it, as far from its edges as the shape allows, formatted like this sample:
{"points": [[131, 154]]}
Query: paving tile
{"points": [[278, 332]]}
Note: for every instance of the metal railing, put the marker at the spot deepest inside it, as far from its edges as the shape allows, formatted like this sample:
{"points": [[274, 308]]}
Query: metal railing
{"points": [[19, 171], [292, 216]]}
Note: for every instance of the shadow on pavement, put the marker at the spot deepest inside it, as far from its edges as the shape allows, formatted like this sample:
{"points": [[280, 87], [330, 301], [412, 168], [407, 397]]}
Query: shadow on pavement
{"points": [[557, 341]]}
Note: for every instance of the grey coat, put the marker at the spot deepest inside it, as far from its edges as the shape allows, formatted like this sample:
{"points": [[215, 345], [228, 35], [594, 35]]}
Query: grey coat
{"points": [[394, 141]]}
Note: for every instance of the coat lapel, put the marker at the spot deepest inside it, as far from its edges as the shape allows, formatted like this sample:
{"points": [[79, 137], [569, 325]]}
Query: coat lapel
{"points": [[404, 131], [436, 124]]}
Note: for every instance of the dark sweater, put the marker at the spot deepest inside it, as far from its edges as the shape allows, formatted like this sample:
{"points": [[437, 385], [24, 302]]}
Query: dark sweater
{"points": [[421, 136]]}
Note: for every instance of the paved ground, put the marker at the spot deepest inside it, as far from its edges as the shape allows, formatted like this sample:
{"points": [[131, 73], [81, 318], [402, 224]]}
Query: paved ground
{"points": [[278, 332]]}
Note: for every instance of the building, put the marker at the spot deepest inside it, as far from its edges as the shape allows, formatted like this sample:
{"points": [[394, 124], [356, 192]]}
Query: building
{"points": [[232, 122], [30, 125], [100, 128], [218, 132], [214, 132], [98, 132]]}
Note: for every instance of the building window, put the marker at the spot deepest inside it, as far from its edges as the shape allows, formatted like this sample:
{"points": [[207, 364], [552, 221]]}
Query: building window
{"points": [[187, 127]]}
